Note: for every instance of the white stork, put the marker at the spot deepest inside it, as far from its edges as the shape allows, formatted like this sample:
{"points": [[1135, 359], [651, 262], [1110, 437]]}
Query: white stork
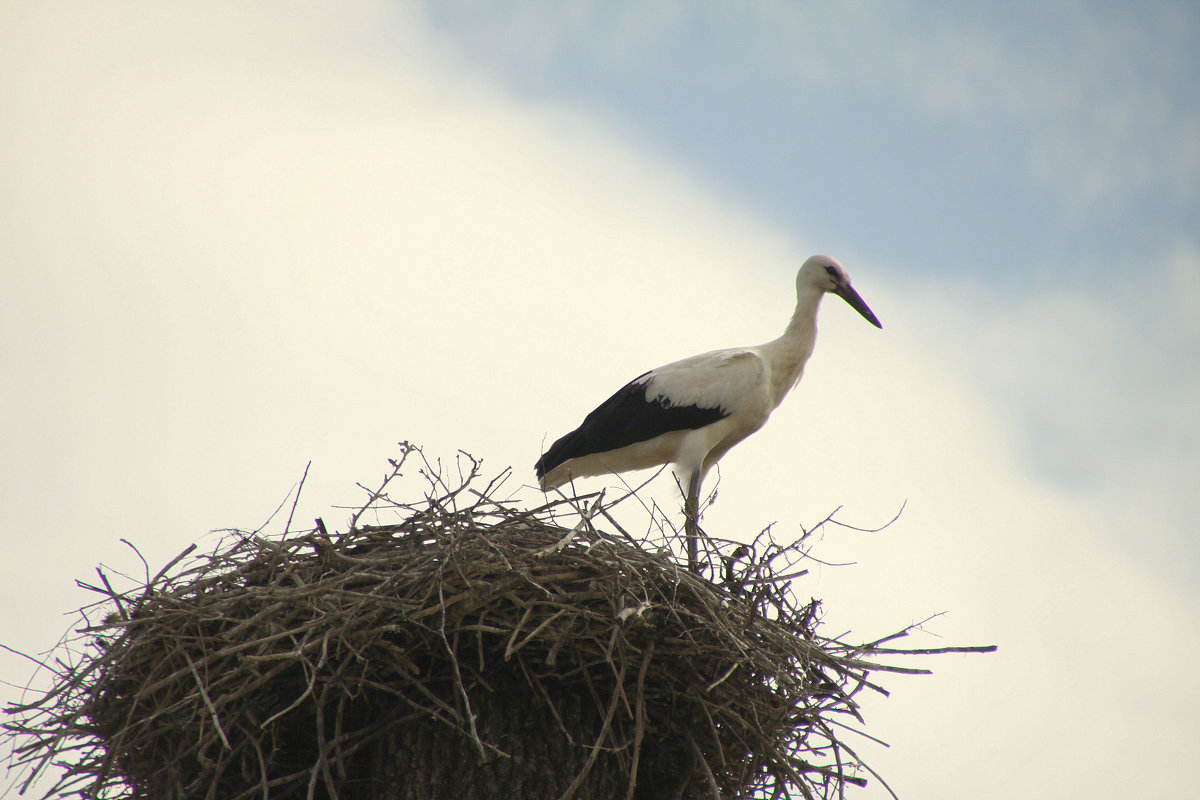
{"points": [[691, 412]]}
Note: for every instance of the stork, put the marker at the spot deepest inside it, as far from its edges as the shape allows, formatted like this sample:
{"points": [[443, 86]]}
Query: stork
{"points": [[691, 412]]}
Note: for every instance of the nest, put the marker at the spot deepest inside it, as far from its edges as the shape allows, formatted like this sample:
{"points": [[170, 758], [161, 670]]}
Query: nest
{"points": [[469, 649]]}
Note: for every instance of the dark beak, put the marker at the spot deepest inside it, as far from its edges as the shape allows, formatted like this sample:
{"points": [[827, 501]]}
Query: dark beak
{"points": [[847, 293]]}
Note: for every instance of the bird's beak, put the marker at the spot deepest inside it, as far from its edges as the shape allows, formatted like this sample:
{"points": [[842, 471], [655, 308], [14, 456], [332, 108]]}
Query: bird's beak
{"points": [[847, 293]]}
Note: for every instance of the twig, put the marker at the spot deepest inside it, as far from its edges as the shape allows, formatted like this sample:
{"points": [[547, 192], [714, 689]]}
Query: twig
{"points": [[207, 702], [605, 729], [639, 720], [585, 519], [299, 488]]}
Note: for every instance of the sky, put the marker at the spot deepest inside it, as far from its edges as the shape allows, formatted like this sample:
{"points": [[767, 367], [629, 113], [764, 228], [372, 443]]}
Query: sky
{"points": [[237, 238]]}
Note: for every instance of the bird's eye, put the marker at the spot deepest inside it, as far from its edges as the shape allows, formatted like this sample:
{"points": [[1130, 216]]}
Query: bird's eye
{"points": [[833, 273]]}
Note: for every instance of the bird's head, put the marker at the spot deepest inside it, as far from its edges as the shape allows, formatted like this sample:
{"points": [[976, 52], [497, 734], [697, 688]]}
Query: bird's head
{"points": [[825, 274]]}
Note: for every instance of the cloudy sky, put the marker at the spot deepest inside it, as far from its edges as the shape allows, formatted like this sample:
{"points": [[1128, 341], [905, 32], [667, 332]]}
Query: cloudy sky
{"points": [[236, 238]]}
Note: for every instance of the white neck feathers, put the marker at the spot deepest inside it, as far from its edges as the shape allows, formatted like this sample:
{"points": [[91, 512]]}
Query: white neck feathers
{"points": [[787, 355]]}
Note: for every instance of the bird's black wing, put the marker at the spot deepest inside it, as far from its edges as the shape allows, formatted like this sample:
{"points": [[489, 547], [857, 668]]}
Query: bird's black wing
{"points": [[627, 417]]}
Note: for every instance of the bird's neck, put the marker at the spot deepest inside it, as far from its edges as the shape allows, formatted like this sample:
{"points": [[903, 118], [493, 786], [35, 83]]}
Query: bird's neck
{"points": [[788, 354]]}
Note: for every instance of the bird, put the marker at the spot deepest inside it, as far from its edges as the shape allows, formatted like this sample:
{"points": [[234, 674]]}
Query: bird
{"points": [[689, 413]]}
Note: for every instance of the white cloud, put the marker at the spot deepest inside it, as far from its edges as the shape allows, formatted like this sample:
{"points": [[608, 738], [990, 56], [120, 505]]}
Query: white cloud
{"points": [[1105, 386]]}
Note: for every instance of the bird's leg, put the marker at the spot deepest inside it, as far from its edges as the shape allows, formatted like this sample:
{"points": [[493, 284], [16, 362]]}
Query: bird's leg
{"points": [[691, 526]]}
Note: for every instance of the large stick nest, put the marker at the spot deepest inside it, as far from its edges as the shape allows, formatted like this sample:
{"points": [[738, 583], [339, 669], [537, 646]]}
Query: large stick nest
{"points": [[271, 667]]}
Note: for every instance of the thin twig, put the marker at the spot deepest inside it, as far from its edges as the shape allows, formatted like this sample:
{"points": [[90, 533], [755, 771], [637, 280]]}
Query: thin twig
{"points": [[212, 711], [299, 488]]}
